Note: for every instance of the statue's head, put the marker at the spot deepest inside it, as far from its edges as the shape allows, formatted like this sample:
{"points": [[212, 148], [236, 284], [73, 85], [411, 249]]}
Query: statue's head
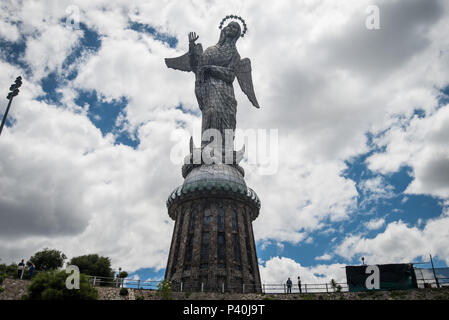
{"points": [[232, 31]]}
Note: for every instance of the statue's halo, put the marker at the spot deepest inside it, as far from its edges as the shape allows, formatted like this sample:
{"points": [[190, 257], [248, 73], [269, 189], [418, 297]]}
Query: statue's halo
{"points": [[234, 17]]}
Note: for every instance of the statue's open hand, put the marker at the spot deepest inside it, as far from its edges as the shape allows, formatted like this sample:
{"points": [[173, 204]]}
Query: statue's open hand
{"points": [[193, 37]]}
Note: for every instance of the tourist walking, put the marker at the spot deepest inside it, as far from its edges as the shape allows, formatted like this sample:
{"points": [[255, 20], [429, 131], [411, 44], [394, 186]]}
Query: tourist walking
{"points": [[299, 285], [20, 269]]}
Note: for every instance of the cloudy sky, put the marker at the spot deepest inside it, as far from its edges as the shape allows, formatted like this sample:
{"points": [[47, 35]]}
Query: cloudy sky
{"points": [[86, 158]]}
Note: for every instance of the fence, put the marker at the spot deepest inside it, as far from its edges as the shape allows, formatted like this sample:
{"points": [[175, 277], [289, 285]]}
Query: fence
{"points": [[433, 278], [305, 288], [124, 282], [203, 287], [424, 277]]}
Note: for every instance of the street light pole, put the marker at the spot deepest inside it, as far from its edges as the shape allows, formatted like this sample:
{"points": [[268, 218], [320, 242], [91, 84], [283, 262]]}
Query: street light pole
{"points": [[13, 91]]}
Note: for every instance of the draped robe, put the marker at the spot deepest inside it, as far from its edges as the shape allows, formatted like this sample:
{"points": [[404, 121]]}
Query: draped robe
{"points": [[214, 89]]}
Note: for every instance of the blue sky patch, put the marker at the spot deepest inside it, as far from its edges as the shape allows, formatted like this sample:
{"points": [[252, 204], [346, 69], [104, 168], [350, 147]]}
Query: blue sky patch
{"points": [[104, 115], [196, 112], [149, 278], [89, 43], [443, 99], [164, 37], [50, 84], [12, 52]]}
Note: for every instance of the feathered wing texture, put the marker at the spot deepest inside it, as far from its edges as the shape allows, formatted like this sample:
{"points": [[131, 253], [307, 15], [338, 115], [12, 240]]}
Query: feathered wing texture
{"points": [[180, 63], [243, 73], [184, 62]]}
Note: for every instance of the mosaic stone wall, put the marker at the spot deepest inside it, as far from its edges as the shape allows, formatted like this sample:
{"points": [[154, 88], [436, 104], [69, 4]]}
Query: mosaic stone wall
{"points": [[213, 247]]}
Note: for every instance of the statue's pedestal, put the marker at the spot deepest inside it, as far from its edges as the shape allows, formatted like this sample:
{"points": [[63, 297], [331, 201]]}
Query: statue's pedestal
{"points": [[213, 247]]}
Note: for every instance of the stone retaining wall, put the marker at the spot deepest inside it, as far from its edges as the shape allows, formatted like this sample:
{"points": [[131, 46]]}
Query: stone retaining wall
{"points": [[14, 289]]}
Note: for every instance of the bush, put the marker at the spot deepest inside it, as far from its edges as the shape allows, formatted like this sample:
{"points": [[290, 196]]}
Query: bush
{"points": [[2, 278], [164, 290], [2, 289], [10, 271], [140, 298], [2, 268], [52, 286], [123, 292]]}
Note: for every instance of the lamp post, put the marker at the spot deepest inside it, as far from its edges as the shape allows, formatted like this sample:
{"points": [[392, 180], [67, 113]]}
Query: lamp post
{"points": [[118, 276], [434, 274], [13, 91]]}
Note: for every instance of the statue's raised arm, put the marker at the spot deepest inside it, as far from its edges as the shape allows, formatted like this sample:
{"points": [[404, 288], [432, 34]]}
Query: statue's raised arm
{"points": [[188, 61]]}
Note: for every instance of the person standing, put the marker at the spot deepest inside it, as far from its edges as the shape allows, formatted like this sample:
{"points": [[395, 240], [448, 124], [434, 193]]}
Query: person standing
{"points": [[31, 271], [299, 284], [289, 286], [20, 269]]}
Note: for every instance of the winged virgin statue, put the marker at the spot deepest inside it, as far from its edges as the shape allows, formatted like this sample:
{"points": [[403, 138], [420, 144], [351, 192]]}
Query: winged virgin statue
{"points": [[215, 70]]}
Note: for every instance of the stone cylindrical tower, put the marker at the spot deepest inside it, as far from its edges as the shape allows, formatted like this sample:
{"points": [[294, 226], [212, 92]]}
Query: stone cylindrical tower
{"points": [[213, 247]]}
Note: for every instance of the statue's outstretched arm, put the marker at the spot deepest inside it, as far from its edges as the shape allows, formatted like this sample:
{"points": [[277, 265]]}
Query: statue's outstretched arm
{"points": [[188, 61]]}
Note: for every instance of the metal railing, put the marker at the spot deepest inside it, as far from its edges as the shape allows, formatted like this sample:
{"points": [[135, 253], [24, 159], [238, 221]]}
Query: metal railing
{"points": [[305, 288], [267, 288], [123, 282], [205, 287], [274, 288], [432, 283]]}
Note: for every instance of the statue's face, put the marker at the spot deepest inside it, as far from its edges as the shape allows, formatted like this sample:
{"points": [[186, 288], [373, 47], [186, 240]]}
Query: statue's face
{"points": [[232, 30]]}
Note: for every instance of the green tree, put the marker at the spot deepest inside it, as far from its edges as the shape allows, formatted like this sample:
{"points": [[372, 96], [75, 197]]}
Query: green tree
{"points": [[164, 290], [48, 259], [121, 276], [93, 265], [51, 285]]}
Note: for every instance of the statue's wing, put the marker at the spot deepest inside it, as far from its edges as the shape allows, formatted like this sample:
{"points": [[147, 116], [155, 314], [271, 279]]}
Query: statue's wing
{"points": [[180, 63], [185, 62], [243, 73]]}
